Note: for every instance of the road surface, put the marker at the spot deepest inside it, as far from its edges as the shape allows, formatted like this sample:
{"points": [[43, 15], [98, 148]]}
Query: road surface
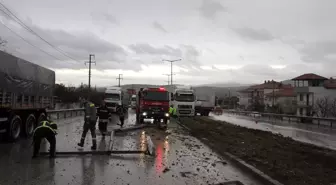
{"points": [[179, 159], [325, 137]]}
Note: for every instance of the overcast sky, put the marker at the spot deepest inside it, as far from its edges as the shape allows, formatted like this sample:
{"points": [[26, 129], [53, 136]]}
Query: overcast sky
{"points": [[223, 41]]}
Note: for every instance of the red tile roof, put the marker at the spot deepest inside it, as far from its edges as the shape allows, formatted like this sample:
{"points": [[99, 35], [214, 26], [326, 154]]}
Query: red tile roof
{"points": [[330, 84], [286, 92], [310, 76]]}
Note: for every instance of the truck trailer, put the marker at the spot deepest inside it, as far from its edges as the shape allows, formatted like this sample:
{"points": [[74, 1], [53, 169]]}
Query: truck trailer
{"points": [[26, 92], [205, 103]]}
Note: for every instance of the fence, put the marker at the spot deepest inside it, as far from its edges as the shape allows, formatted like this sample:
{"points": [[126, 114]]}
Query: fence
{"points": [[64, 113], [290, 118]]}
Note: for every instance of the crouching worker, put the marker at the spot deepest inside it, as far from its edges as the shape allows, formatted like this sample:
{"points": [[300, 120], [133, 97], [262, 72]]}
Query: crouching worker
{"points": [[48, 130], [121, 113], [103, 115]]}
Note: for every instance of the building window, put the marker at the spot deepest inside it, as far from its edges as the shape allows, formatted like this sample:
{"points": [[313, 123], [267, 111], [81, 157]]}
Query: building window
{"points": [[301, 111], [301, 97]]}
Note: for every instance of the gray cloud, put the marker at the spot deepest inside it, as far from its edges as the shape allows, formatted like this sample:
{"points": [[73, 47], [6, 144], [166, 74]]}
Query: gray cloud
{"points": [[254, 34], [104, 17], [159, 27], [210, 8], [78, 46], [144, 48], [319, 52]]}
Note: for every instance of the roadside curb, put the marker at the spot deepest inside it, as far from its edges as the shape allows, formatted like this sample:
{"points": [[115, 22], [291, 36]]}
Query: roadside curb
{"points": [[259, 175]]}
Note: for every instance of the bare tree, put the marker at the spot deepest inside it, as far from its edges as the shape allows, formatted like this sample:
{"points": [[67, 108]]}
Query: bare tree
{"points": [[333, 108], [2, 43], [322, 107]]}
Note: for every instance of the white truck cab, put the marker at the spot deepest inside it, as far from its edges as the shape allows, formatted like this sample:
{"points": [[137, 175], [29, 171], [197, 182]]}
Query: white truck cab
{"points": [[184, 101], [113, 97]]}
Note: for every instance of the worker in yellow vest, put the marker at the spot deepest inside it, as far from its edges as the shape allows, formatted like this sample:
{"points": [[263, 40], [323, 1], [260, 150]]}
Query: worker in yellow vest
{"points": [[46, 129]]}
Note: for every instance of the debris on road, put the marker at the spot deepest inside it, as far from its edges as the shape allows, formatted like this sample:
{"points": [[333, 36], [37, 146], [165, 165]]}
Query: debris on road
{"points": [[284, 159]]}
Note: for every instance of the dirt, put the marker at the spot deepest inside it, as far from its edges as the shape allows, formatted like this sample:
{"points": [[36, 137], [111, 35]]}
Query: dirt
{"points": [[288, 161]]}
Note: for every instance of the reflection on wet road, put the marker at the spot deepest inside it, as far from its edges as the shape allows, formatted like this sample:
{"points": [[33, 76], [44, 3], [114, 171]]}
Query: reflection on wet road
{"points": [[325, 137], [179, 159]]}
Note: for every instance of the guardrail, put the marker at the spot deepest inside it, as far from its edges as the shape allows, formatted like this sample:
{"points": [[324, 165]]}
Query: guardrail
{"points": [[64, 113], [291, 118]]}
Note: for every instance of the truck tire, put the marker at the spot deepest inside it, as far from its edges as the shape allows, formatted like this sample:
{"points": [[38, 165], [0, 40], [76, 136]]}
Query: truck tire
{"points": [[14, 129], [28, 127], [207, 113], [42, 117]]}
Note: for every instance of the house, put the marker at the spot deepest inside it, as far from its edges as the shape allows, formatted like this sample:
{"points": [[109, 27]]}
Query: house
{"points": [[312, 91], [284, 100], [254, 97]]}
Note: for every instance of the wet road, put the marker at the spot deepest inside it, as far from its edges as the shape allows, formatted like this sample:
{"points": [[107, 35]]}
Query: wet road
{"points": [[179, 159], [325, 137]]}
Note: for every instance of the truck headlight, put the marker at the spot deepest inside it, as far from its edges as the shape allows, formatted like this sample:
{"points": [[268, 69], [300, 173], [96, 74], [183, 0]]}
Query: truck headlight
{"points": [[167, 115], [144, 113]]}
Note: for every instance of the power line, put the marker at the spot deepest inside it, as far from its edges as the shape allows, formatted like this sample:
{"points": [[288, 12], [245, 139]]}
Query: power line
{"points": [[33, 32], [29, 42]]}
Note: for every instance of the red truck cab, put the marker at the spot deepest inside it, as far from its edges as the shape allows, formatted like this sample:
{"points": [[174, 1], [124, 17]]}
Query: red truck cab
{"points": [[153, 103]]}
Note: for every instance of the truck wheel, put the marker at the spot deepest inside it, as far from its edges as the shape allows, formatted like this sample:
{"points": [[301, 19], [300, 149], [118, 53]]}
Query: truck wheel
{"points": [[14, 128], [41, 118], [207, 113], [29, 125]]}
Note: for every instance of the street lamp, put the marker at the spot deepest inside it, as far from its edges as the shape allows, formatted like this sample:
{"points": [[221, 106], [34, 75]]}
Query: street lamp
{"points": [[171, 68]]}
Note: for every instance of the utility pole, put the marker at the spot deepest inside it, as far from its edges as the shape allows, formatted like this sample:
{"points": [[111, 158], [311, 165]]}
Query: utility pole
{"points": [[273, 83], [119, 78], [171, 69], [90, 62], [168, 77]]}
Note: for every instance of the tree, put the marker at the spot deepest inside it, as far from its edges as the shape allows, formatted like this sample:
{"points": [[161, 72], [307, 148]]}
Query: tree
{"points": [[322, 107], [333, 108], [3, 43]]}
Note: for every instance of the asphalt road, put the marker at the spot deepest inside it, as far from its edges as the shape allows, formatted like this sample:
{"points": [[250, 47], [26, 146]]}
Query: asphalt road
{"points": [[180, 159], [308, 133]]}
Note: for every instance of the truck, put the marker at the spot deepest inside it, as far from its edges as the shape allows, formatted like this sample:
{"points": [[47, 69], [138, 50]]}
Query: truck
{"points": [[26, 92], [113, 97], [133, 101], [184, 101], [153, 103], [204, 104]]}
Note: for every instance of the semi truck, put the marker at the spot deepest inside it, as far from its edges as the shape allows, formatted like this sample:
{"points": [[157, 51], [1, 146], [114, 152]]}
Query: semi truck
{"points": [[26, 92], [184, 101], [113, 98], [204, 104]]}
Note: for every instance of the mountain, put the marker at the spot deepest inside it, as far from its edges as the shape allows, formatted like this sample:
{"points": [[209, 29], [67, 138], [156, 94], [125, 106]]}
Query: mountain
{"points": [[200, 89]]}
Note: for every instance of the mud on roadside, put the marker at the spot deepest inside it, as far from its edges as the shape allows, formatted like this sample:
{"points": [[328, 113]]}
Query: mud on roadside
{"points": [[284, 159]]}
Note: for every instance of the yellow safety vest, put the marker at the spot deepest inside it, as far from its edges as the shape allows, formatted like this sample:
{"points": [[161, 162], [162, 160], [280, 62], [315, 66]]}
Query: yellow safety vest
{"points": [[47, 124], [171, 110]]}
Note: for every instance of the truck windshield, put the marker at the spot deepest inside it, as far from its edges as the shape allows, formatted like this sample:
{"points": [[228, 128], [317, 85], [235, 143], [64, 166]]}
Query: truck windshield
{"points": [[133, 99], [112, 96], [184, 97], [156, 95]]}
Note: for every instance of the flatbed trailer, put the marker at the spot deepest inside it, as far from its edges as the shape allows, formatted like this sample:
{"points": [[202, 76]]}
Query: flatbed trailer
{"points": [[26, 92]]}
